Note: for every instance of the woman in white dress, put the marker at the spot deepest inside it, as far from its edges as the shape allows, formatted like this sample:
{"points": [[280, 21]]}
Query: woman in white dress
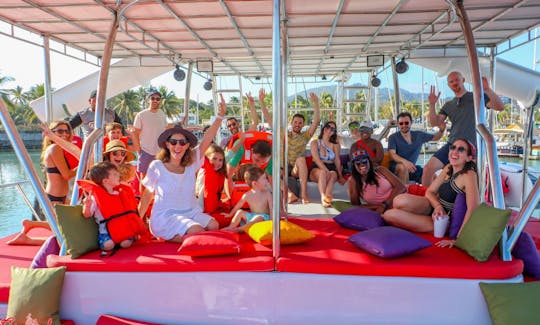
{"points": [[170, 180]]}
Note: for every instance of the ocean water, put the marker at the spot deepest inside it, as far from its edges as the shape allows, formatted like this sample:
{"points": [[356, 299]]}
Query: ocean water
{"points": [[13, 208]]}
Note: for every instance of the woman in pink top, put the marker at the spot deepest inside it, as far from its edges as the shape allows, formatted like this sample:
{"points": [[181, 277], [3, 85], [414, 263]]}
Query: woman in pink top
{"points": [[372, 187]]}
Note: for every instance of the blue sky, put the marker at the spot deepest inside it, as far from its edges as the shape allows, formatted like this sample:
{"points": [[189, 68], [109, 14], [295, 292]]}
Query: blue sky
{"points": [[24, 62]]}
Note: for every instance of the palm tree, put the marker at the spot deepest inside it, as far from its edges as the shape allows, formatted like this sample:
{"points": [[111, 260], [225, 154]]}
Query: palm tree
{"points": [[4, 80], [327, 102], [170, 104], [126, 105]]}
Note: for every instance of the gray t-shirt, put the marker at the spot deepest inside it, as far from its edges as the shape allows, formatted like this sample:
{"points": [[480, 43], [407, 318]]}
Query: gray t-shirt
{"points": [[460, 111]]}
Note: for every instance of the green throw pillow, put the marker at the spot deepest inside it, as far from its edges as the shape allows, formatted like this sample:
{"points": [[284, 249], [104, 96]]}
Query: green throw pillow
{"points": [[341, 205], [512, 303], [36, 292], [482, 232], [80, 234]]}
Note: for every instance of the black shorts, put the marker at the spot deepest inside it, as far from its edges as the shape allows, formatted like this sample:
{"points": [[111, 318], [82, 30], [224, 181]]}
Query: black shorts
{"points": [[329, 166]]}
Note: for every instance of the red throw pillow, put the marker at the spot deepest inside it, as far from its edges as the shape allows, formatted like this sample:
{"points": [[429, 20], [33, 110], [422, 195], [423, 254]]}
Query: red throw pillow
{"points": [[416, 189], [210, 243]]}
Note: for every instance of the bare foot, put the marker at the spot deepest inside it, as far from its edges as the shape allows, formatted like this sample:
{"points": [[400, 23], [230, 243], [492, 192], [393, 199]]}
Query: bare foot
{"points": [[23, 239], [292, 198], [305, 200]]}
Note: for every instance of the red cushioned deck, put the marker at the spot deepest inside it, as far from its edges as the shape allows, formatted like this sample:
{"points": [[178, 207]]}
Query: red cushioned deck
{"points": [[163, 257], [331, 253], [20, 256]]}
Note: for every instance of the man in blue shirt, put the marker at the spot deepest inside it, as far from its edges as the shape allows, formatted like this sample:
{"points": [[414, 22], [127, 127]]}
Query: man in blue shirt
{"points": [[404, 148]]}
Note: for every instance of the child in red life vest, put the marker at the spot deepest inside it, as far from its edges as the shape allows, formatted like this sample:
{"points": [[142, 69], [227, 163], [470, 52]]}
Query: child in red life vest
{"points": [[113, 206], [211, 183]]}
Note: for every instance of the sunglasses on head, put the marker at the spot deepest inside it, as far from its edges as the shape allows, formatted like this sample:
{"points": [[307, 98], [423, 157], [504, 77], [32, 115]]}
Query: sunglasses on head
{"points": [[61, 131], [181, 142], [354, 127], [459, 149], [119, 153], [363, 161], [404, 123], [155, 99], [231, 125]]}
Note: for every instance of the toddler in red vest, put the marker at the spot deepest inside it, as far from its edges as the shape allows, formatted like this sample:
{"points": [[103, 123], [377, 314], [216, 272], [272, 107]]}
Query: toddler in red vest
{"points": [[114, 207]]}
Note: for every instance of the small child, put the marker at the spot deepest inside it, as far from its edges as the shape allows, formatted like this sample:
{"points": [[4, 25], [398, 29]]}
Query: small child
{"points": [[210, 184], [114, 207], [258, 198]]}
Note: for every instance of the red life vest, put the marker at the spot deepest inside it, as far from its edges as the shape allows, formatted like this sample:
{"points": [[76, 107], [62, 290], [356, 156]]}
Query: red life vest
{"points": [[124, 139], [71, 160], [361, 145], [213, 184], [119, 211], [250, 138]]}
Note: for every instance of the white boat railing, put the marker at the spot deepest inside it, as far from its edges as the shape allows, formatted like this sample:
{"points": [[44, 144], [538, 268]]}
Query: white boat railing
{"points": [[21, 152], [18, 186]]}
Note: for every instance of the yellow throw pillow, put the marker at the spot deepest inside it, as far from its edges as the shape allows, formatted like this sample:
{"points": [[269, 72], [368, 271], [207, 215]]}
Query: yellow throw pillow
{"points": [[290, 233], [36, 292]]}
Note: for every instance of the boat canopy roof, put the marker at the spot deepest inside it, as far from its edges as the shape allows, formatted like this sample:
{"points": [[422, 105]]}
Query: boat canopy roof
{"points": [[323, 36]]}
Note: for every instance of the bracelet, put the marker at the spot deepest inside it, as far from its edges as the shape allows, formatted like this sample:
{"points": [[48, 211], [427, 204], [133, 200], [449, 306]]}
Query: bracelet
{"points": [[220, 117]]}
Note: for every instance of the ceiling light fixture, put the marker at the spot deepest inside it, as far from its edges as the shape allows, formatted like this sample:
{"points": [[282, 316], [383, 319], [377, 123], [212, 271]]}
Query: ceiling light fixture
{"points": [[179, 74], [208, 85], [375, 82], [402, 66]]}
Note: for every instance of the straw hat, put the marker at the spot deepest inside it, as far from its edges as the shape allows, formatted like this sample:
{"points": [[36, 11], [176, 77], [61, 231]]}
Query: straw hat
{"points": [[116, 145]]}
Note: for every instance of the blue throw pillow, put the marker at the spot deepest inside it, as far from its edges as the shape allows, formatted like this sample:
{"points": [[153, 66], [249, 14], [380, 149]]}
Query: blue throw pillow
{"points": [[389, 242], [458, 214], [359, 218], [525, 250]]}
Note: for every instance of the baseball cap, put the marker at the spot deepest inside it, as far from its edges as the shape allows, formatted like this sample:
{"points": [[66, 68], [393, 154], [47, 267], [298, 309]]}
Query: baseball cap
{"points": [[366, 125], [152, 92], [93, 94]]}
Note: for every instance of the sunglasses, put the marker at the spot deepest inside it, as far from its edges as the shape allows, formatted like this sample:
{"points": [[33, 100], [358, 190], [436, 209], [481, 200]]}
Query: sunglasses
{"points": [[61, 131], [354, 127], [155, 99], [181, 142], [459, 149], [404, 123], [233, 124], [119, 153], [333, 129], [363, 161]]}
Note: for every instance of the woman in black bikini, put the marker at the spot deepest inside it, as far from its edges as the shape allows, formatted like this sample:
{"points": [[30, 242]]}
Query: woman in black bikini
{"points": [[56, 167], [417, 213]]}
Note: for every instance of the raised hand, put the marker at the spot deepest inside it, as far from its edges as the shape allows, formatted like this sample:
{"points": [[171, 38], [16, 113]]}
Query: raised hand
{"points": [[432, 98], [262, 96], [222, 105], [250, 99]]}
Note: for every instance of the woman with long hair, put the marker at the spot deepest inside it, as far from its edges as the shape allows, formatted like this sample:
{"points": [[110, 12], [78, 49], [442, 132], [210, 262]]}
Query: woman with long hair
{"points": [[326, 168], [170, 180], [417, 213], [370, 186], [58, 168]]}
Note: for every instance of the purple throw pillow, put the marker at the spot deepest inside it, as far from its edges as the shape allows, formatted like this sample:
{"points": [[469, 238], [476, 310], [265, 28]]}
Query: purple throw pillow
{"points": [[458, 214], [389, 242], [525, 250], [50, 246], [359, 218]]}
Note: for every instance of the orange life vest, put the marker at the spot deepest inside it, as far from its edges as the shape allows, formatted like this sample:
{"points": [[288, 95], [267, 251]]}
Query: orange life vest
{"points": [[119, 211], [250, 138]]}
